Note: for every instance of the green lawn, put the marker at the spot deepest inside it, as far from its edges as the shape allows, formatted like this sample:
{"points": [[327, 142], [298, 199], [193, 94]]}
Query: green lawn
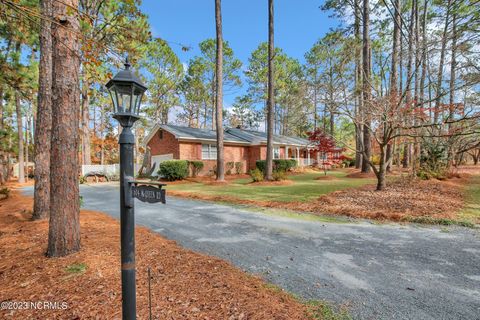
{"points": [[472, 206], [304, 187]]}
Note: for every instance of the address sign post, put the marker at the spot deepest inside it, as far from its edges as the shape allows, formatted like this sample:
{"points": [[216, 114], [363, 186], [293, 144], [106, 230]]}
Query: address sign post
{"points": [[126, 91]]}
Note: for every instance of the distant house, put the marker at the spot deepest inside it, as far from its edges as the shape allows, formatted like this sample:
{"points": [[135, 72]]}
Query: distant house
{"points": [[168, 142]]}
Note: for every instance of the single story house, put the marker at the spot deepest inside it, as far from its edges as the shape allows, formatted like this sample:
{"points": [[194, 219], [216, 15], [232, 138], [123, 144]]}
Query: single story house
{"points": [[168, 142]]}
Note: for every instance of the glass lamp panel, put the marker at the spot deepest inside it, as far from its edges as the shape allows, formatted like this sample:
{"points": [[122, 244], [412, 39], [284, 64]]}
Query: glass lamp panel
{"points": [[134, 104], [124, 92], [138, 102], [113, 96], [138, 92], [125, 102]]}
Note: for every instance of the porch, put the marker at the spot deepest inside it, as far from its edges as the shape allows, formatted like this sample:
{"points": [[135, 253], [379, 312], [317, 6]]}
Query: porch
{"points": [[305, 156]]}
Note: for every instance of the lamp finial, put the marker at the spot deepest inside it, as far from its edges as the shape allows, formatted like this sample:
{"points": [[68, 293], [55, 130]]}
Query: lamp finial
{"points": [[127, 63]]}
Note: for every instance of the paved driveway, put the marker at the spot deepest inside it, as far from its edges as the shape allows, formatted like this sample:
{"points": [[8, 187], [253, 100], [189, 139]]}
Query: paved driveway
{"points": [[378, 271]]}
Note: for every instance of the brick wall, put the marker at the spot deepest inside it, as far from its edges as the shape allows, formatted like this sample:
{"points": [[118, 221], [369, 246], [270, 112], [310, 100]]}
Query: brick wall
{"points": [[190, 151], [233, 153], [255, 154], [164, 143]]}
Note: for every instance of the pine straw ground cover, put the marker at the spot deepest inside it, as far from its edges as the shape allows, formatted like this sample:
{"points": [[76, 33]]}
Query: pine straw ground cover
{"points": [[185, 285], [405, 199]]}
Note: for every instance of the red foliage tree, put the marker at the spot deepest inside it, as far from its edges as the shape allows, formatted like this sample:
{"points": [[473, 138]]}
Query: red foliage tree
{"points": [[323, 142]]}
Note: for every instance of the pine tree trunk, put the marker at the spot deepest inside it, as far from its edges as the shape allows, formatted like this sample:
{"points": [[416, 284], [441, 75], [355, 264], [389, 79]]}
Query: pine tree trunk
{"points": [[453, 67], [213, 101], [416, 146], [86, 150], [408, 84], [270, 98], [21, 151], [102, 139], [366, 84], [205, 115], [394, 67], [1, 106], [358, 95], [64, 227], [219, 92], [27, 142], [332, 123], [395, 53], [438, 97], [43, 127], [315, 102], [424, 54]]}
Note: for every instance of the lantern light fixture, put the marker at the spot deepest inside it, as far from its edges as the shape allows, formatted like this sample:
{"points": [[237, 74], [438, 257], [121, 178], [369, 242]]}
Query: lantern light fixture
{"points": [[126, 91]]}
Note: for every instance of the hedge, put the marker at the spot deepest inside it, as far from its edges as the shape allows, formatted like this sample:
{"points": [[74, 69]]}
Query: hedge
{"points": [[174, 169], [196, 166], [283, 165]]}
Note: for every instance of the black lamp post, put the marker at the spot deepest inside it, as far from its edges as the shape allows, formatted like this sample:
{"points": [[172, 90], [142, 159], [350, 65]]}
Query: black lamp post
{"points": [[126, 91]]}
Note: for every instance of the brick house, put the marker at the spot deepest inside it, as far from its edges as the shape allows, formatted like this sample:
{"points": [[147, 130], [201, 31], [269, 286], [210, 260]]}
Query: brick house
{"points": [[168, 142]]}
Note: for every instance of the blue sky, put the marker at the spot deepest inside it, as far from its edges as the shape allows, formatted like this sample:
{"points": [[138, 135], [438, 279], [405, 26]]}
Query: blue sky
{"points": [[298, 24]]}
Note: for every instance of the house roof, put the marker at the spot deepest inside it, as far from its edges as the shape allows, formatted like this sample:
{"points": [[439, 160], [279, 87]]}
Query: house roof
{"points": [[234, 135], [257, 137], [199, 134]]}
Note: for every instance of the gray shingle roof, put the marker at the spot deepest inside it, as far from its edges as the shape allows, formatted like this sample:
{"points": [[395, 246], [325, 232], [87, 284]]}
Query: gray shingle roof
{"points": [[256, 137], [199, 134], [232, 135]]}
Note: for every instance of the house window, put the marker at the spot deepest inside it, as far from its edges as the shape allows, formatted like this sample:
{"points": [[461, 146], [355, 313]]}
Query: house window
{"points": [[209, 151], [160, 134], [276, 153]]}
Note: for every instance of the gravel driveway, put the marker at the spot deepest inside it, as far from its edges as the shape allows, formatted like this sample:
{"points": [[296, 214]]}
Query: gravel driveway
{"points": [[377, 271]]}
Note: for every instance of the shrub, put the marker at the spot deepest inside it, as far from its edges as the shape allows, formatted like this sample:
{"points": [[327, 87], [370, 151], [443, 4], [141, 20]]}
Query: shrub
{"points": [[279, 175], [256, 175], [113, 177], [4, 192], [196, 167], [346, 161], [238, 167], [229, 167], [284, 164], [174, 169], [83, 179], [426, 173], [278, 164], [261, 165]]}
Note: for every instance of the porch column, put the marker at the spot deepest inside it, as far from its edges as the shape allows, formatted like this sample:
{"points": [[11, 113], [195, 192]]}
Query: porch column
{"points": [[318, 158], [298, 157], [286, 152], [308, 157]]}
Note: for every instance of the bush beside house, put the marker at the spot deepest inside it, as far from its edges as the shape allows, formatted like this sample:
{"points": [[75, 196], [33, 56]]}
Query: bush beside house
{"points": [[238, 167], [280, 169], [173, 170], [282, 165], [196, 166], [256, 174]]}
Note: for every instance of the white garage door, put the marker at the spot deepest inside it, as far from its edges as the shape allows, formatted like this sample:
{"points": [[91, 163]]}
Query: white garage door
{"points": [[158, 159]]}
